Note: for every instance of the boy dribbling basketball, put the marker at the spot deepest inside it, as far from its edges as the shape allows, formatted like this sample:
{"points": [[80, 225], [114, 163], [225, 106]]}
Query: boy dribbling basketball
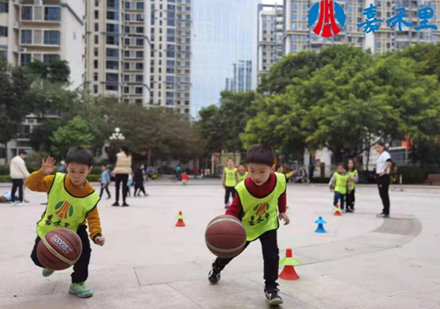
{"points": [[74, 189], [256, 204]]}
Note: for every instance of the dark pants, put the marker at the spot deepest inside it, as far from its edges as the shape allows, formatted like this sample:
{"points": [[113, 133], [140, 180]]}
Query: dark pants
{"points": [[121, 178], [104, 186], [339, 196], [228, 192], [81, 268], [350, 199], [383, 182], [271, 259], [140, 187], [17, 184]]}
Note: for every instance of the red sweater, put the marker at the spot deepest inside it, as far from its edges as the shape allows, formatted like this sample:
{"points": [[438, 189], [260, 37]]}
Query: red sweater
{"points": [[236, 208]]}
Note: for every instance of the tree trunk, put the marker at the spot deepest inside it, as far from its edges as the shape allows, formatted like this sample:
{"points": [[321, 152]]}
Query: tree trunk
{"points": [[368, 160], [149, 157]]}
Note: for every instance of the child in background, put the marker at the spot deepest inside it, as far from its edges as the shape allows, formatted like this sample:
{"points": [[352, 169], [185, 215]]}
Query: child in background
{"points": [[229, 181], [354, 178], [75, 190], [105, 181], [266, 190], [242, 174], [339, 184], [130, 184], [280, 169], [185, 178], [138, 179]]}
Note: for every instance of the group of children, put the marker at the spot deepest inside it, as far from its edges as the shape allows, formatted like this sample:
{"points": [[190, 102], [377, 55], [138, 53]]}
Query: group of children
{"points": [[343, 184]]}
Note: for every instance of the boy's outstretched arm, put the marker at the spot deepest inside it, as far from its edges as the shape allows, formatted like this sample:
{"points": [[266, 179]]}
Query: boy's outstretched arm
{"points": [[42, 180]]}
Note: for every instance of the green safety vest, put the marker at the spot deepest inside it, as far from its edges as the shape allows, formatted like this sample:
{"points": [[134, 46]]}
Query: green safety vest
{"points": [[230, 177], [260, 214], [351, 174], [64, 210], [341, 183], [242, 177]]}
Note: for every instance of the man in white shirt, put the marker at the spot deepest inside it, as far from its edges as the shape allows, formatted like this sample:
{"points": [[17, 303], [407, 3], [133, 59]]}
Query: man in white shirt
{"points": [[383, 167], [18, 173]]}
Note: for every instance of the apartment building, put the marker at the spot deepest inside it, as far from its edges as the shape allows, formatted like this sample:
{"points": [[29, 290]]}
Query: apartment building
{"points": [[41, 30], [140, 51], [270, 37], [241, 79]]}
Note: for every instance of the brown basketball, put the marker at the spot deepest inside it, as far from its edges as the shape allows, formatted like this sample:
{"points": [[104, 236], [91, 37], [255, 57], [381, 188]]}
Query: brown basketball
{"points": [[59, 249], [225, 236]]}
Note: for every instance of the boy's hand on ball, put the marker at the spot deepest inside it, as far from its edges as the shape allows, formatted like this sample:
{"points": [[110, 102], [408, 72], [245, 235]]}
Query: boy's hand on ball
{"points": [[285, 217], [48, 166], [100, 240]]}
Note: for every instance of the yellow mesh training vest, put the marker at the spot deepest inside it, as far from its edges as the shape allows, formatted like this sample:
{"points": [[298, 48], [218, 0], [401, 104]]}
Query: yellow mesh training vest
{"points": [[230, 177]]}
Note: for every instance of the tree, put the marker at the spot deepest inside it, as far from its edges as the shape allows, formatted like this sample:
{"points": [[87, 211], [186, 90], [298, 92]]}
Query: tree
{"points": [[75, 134], [211, 126], [15, 102], [56, 72], [41, 135]]}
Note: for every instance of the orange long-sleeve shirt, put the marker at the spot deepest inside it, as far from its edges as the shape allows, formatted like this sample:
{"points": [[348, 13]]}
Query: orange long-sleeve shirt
{"points": [[39, 182]]}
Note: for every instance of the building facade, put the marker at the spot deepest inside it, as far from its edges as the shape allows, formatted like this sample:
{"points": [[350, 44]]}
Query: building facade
{"points": [[270, 37], [241, 79], [41, 30], [140, 51]]}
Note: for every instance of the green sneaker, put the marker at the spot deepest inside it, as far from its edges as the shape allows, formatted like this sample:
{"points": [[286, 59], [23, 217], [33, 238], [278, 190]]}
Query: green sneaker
{"points": [[47, 272], [80, 290]]}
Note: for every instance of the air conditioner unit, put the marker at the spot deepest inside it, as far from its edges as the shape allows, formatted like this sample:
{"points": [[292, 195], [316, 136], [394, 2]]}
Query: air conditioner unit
{"points": [[23, 50]]}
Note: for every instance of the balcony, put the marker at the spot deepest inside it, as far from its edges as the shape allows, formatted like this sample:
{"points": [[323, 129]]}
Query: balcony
{"points": [[40, 14]]}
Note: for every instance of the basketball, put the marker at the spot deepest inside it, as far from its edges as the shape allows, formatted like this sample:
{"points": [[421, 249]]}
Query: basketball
{"points": [[59, 249], [225, 236]]}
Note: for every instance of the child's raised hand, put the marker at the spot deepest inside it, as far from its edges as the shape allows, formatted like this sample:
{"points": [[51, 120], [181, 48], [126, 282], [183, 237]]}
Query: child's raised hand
{"points": [[48, 166]]}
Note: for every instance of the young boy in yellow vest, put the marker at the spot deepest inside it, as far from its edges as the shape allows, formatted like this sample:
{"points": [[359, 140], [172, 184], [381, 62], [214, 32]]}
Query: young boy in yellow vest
{"points": [[229, 181], [242, 174], [74, 189], [354, 178], [340, 184], [255, 204]]}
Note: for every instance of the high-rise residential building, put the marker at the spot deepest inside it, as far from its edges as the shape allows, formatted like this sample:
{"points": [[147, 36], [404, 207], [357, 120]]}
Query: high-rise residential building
{"points": [[224, 33], [140, 51], [41, 30], [270, 36], [241, 79], [298, 35], [44, 30]]}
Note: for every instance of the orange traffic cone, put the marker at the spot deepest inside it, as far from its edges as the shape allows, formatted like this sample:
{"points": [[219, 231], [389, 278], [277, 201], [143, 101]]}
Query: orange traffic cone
{"points": [[288, 262], [180, 218], [337, 211]]}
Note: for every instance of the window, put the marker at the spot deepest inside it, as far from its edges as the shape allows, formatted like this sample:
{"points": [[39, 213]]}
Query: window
{"points": [[4, 7], [112, 53], [127, 54], [127, 29], [112, 15], [139, 66], [25, 59], [140, 42], [113, 4], [112, 65], [26, 36], [96, 27], [3, 31], [51, 37], [139, 90], [140, 17], [138, 101], [52, 14], [95, 64], [96, 39], [140, 5], [95, 88], [112, 28], [48, 58], [127, 5], [139, 29], [111, 87], [127, 42], [112, 78], [95, 77], [96, 2], [126, 90], [186, 111], [112, 40], [3, 54], [26, 13], [127, 78], [96, 14], [127, 16], [127, 66], [139, 78], [139, 54], [170, 79]]}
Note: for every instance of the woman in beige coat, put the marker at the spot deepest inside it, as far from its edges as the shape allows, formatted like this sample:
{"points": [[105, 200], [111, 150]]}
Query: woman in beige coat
{"points": [[122, 170]]}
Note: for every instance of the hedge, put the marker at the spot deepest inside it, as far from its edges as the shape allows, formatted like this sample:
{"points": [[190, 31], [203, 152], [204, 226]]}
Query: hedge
{"points": [[412, 174]]}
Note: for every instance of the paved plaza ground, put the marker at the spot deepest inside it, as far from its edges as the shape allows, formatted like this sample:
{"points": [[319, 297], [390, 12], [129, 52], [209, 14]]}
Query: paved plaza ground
{"points": [[147, 262]]}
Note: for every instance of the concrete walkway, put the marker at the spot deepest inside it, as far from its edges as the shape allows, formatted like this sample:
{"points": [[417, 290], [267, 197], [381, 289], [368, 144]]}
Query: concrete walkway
{"points": [[362, 262]]}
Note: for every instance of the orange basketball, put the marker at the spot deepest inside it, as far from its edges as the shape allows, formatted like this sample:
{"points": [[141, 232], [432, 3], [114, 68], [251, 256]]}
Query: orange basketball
{"points": [[59, 249], [225, 236]]}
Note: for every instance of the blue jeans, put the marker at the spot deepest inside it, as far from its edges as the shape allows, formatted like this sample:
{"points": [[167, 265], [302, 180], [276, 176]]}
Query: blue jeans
{"points": [[339, 196]]}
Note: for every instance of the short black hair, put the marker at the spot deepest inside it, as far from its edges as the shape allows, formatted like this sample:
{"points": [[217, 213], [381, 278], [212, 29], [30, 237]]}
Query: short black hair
{"points": [[382, 144], [277, 166], [22, 152], [79, 155], [260, 154]]}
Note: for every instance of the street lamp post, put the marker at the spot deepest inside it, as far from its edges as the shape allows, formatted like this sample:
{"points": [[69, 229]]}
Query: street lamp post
{"points": [[117, 137]]}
